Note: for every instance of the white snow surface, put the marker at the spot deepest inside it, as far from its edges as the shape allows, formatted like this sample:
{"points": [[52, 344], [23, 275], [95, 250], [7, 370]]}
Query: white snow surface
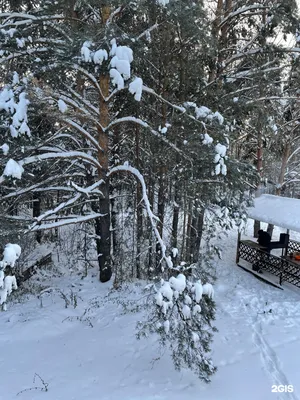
{"points": [[122, 57], [117, 79], [207, 139], [99, 56], [283, 212], [5, 148], [62, 106], [13, 169], [221, 149], [135, 87], [179, 283], [86, 52], [90, 352]]}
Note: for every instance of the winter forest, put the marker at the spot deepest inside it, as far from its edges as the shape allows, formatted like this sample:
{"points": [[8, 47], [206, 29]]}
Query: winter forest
{"points": [[133, 137]]}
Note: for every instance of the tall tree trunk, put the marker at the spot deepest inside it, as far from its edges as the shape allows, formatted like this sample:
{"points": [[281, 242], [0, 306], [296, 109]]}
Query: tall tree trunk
{"points": [[102, 226], [193, 238], [150, 235], [175, 220], [188, 231], [215, 35], [139, 210]]}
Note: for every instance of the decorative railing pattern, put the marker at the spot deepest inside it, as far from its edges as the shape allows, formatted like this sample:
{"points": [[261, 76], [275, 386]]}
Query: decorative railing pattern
{"points": [[293, 246], [285, 269], [290, 273]]}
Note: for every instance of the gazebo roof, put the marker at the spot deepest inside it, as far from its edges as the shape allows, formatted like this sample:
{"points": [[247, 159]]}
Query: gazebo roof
{"points": [[280, 211]]}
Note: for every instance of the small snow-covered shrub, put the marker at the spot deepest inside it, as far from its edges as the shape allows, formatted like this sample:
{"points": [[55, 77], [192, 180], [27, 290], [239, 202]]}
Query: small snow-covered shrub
{"points": [[8, 282], [7, 285], [181, 315]]}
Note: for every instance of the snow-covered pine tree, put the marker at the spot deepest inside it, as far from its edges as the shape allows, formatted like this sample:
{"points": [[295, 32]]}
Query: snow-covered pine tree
{"points": [[82, 73]]}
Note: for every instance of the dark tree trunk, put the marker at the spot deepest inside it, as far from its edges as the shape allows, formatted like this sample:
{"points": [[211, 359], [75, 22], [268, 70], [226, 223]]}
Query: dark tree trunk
{"points": [[139, 210], [102, 229], [256, 228], [36, 212], [102, 226], [188, 233], [199, 236], [175, 220]]}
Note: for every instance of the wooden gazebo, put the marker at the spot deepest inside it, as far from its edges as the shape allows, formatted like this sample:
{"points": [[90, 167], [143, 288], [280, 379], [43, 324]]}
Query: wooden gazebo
{"points": [[283, 212]]}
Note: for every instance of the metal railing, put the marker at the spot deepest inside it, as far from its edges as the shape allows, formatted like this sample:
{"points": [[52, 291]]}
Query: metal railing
{"points": [[283, 267]]}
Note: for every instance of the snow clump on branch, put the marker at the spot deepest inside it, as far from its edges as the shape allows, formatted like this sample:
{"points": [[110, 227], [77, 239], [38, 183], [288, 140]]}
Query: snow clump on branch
{"points": [[17, 110], [219, 159], [62, 106], [135, 87], [120, 68], [13, 169]]}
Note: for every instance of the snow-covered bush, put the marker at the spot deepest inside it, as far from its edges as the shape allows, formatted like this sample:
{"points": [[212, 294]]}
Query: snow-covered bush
{"points": [[8, 283], [181, 315]]}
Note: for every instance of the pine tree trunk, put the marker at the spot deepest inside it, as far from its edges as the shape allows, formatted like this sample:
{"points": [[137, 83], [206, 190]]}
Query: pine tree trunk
{"points": [[215, 35], [102, 226], [139, 210], [150, 236]]}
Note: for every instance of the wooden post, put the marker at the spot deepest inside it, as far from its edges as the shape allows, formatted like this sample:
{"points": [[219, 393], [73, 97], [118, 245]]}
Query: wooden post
{"points": [[238, 248]]}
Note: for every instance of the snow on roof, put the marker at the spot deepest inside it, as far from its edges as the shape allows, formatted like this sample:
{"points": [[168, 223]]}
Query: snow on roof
{"points": [[283, 212]]}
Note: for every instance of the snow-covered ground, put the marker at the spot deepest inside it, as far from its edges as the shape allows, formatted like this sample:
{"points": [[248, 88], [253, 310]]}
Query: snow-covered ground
{"points": [[90, 352]]}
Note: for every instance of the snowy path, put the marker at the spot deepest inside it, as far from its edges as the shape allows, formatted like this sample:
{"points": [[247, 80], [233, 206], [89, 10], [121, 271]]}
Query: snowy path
{"points": [[262, 321], [270, 362]]}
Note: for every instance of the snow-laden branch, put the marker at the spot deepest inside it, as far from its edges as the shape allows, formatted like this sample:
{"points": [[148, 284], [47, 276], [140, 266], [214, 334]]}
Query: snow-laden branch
{"points": [[68, 221], [27, 19], [90, 189], [53, 189], [64, 136], [181, 109], [146, 32], [68, 154], [113, 14], [243, 54], [83, 132], [84, 101], [147, 126], [241, 10], [57, 209], [89, 76], [272, 98], [293, 153], [35, 188], [68, 100], [151, 91], [152, 217], [24, 53]]}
